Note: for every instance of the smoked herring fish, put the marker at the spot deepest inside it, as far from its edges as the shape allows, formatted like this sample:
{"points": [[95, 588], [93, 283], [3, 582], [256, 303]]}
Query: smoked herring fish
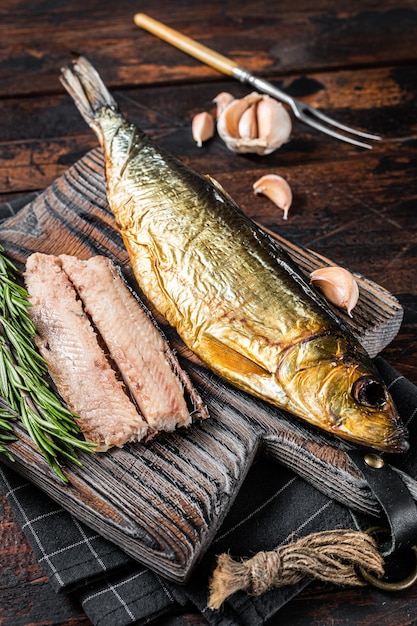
{"points": [[231, 292]]}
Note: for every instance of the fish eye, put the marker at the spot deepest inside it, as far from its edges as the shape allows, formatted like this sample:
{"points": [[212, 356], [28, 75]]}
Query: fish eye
{"points": [[369, 392]]}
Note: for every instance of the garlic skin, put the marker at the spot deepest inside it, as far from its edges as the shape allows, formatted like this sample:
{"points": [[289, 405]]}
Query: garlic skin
{"points": [[276, 189], [202, 127], [337, 285], [222, 100], [254, 124]]}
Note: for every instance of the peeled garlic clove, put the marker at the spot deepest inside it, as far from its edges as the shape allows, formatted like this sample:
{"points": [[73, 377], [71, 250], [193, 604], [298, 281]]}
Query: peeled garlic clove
{"points": [[276, 189], [274, 124], [248, 125], [337, 285], [222, 100], [202, 127]]}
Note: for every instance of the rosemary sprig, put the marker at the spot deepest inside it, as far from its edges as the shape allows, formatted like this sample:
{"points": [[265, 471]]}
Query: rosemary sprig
{"points": [[24, 391], [6, 429]]}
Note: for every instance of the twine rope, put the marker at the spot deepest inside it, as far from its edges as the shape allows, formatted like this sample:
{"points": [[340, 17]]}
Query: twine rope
{"points": [[329, 556]]}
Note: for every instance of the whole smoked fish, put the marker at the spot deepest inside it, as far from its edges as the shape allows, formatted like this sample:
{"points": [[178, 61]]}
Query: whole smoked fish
{"points": [[233, 295]]}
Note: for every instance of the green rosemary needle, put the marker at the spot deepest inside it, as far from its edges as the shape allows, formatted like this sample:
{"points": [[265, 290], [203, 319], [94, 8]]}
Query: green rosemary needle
{"points": [[25, 394]]}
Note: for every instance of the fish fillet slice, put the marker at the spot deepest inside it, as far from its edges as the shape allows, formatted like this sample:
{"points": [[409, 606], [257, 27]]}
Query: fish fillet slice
{"points": [[135, 345], [76, 362]]}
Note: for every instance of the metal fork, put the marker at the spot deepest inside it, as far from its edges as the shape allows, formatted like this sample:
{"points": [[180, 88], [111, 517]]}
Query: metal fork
{"points": [[302, 111]]}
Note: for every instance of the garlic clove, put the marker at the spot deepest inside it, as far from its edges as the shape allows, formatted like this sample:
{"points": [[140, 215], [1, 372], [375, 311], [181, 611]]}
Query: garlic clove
{"points": [[222, 100], [248, 124], [338, 285], [202, 127], [276, 189], [274, 123]]}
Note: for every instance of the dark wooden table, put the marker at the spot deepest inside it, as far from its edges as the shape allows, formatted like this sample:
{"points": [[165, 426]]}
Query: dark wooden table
{"points": [[357, 207]]}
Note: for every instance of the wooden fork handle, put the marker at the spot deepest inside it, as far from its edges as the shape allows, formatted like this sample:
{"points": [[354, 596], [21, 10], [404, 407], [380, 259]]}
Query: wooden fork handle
{"points": [[186, 44]]}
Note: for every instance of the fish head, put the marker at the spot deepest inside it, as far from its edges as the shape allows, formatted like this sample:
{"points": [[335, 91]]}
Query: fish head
{"points": [[333, 384]]}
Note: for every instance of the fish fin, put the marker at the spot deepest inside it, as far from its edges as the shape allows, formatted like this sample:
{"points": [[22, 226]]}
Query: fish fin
{"points": [[221, 190], [85, 86], [224, 357]]}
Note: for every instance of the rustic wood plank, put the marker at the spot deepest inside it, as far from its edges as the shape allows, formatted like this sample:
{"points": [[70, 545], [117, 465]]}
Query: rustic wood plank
{"points": [[270, 37], [32, 159], [362, 607], [376, 98]]}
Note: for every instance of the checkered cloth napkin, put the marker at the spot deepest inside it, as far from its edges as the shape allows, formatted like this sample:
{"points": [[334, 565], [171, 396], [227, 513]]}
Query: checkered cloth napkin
{"points": [[272, 504]]}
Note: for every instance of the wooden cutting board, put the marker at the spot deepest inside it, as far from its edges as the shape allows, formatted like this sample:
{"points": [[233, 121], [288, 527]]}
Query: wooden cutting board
{"points": [[163, 502]]}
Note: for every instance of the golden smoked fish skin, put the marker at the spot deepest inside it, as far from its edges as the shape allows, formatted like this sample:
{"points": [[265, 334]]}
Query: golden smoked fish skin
{"points": [[233, 295]]}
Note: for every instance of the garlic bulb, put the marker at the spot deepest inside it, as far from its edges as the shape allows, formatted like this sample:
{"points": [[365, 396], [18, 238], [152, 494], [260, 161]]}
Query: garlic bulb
{"points": [[338, 286], [256, 123], [202, 127], [276, 189]]}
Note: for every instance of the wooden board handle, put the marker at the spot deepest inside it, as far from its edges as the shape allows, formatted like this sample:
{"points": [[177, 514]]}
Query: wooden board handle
{"points": [[186, 44]]}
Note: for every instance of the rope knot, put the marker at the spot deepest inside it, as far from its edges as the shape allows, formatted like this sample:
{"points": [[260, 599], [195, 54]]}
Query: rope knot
{"points": [[330, 556], [262, 568]]}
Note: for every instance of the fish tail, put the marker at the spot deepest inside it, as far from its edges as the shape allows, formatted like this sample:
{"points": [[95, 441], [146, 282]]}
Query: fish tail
{"points": [[88, 91]]}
